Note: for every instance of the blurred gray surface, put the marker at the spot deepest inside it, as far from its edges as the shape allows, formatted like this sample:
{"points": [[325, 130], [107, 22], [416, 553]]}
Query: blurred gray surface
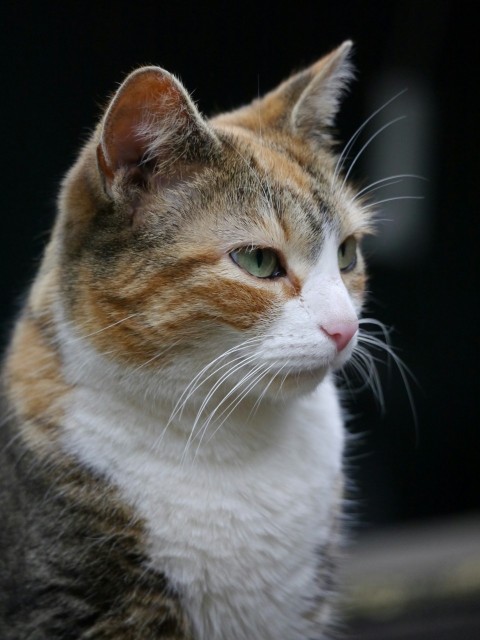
{"points": [[418, 582]]}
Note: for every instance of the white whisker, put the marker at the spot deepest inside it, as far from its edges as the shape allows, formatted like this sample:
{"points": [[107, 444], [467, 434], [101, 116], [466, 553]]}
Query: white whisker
{"points": [[363, 362], [351, 142], [232, 391], [196, 382], [367, 143], [234, 404], [385, 182], [94, 333], [262, 395], [375, 204], [280, 387], [211, 393], [156, 356]]}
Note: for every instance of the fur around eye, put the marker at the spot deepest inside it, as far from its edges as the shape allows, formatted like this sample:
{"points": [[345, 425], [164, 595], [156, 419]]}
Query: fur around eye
{"points": [[347, 254], [258, 262]]}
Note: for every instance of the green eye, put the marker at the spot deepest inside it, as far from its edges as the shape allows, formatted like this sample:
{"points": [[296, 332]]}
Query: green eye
{"points": [[261, 263], [347, 254]]}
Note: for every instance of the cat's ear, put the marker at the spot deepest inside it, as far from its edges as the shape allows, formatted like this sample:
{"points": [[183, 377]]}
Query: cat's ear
{"points": [[306, 104], [150, 126], [317, 105]]}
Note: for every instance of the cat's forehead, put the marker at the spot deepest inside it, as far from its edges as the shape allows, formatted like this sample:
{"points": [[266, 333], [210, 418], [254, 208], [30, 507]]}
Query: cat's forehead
{"points": [[289, 197]]}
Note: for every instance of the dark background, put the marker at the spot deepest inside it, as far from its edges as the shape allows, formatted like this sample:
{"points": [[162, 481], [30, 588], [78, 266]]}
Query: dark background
{"points": [[61, 61]]}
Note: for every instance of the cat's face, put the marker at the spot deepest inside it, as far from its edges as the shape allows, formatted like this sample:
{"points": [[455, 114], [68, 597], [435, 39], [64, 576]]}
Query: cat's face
{"points": [[226, 249]]}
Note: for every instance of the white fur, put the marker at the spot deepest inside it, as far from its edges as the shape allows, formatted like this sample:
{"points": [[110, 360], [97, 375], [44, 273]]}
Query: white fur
{"points": [[236, 519], [297, 335], [239, 539]]}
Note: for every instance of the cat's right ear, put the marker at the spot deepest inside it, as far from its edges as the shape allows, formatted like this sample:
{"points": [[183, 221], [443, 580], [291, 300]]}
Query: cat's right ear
{"points": [[151, 126]]}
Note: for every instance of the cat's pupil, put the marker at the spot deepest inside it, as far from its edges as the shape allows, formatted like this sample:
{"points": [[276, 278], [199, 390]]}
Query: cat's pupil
{"points": [[259, 256]]}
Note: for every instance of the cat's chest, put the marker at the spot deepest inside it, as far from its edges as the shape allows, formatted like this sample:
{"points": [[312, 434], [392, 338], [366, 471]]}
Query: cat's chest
{"points": [[240, 539]]}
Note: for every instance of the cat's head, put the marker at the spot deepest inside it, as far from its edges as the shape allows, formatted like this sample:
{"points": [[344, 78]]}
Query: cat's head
{"points": [[225, 248]]}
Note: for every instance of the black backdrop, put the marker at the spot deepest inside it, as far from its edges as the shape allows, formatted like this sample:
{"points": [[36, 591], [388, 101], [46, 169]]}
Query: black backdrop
{"points": [[62, 59]]}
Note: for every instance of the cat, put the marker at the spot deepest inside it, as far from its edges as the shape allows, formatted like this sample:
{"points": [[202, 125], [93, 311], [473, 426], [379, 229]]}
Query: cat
{"points": [[173, 438]]}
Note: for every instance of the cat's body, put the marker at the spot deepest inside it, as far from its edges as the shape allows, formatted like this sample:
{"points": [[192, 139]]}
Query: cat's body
{"points": [[172, 454]]}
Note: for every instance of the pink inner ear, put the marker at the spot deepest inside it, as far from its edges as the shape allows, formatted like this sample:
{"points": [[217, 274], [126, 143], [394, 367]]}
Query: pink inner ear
{"points": [[146, 98]]}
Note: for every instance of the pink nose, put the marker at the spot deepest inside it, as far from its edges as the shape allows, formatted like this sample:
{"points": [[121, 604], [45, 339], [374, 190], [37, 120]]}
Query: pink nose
{"points": [[340, 332]]}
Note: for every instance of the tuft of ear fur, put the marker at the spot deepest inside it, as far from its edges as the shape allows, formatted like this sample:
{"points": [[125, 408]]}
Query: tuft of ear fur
{"points": [[150, 124]]}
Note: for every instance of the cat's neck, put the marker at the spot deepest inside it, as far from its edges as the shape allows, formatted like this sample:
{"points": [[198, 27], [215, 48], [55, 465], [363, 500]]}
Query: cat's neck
{"points": [[151, 411], [113, 404]]}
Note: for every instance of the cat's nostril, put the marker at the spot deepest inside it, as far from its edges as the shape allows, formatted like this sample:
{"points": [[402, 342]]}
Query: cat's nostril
{"points": [[340, 332]]}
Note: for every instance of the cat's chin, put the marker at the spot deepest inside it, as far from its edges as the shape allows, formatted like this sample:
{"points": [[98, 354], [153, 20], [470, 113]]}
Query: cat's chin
{"points": [[302, 382]]}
